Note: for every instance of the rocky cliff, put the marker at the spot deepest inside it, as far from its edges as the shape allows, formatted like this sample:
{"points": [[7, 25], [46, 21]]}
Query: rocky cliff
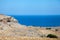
{"points": [[9, 26]]}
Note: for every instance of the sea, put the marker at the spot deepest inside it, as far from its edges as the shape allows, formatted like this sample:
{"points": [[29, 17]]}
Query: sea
{"points": [[38, 20]]}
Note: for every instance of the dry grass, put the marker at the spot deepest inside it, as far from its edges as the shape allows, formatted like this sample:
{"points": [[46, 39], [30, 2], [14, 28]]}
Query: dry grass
{"points": [[25, 38]]}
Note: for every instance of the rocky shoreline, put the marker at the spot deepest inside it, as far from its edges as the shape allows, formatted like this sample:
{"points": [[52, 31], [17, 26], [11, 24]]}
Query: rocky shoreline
{"points": [[9, 26]]}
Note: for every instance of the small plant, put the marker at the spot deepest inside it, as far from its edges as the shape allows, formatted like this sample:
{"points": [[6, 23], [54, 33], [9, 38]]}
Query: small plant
{"points": [[56, 29], [52, 36], [48, 28]]}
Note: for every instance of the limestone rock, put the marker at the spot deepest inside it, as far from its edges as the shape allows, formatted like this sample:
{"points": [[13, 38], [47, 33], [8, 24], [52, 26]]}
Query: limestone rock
{"points": [[9, 26], [5, 19]]}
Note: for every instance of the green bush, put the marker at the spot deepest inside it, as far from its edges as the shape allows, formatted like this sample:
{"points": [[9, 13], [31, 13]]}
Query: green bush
{"points": [[48, 28], [52, 36]]}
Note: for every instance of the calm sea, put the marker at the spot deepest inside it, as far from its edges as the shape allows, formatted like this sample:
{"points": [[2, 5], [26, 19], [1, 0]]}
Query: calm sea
{"points": [[53, 20]]}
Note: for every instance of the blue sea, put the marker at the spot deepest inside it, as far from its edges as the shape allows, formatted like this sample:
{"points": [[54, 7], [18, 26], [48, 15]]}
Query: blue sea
{"points": [[41, 20]]}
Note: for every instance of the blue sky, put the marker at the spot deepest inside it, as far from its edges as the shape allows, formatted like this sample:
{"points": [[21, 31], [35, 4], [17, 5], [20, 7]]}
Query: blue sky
{"points": [[30, 7]]}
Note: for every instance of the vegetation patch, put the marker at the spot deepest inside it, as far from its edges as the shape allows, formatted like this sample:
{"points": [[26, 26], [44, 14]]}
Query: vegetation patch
{"points": [[52, 36], [48, 28]]}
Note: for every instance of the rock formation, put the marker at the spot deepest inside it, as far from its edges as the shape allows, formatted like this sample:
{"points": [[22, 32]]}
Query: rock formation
{"points": [[9, 26]]}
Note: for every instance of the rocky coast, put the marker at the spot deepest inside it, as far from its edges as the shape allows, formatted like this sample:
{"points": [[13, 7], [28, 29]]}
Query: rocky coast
{"points": [[10, 29]]}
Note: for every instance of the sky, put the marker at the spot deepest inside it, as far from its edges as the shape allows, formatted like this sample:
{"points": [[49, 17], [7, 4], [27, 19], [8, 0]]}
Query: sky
{"points": [[30, 7]]}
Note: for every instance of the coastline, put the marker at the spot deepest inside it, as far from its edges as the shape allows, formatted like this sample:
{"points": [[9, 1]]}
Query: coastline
{"points": [[10, 29], [52, 21]]}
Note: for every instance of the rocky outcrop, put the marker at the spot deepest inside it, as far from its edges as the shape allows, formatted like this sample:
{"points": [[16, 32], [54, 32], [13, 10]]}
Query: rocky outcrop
{"points": [[9, 26], [5, 19]]}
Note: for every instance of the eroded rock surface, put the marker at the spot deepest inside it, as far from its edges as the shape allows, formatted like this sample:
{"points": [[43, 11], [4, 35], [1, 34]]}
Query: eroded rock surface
{"points": [[9, 26]]}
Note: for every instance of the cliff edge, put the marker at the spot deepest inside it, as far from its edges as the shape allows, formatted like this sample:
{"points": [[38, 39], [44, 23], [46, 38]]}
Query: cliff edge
{"points": [[9, 26]]}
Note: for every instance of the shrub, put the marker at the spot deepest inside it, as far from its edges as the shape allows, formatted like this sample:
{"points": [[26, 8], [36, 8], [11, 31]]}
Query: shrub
{"points": [[52, 36], [48, 28], [56, 29]]}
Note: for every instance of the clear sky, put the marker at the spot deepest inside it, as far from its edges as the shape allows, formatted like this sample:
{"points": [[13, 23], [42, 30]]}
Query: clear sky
{"points": [[30, 7]]}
